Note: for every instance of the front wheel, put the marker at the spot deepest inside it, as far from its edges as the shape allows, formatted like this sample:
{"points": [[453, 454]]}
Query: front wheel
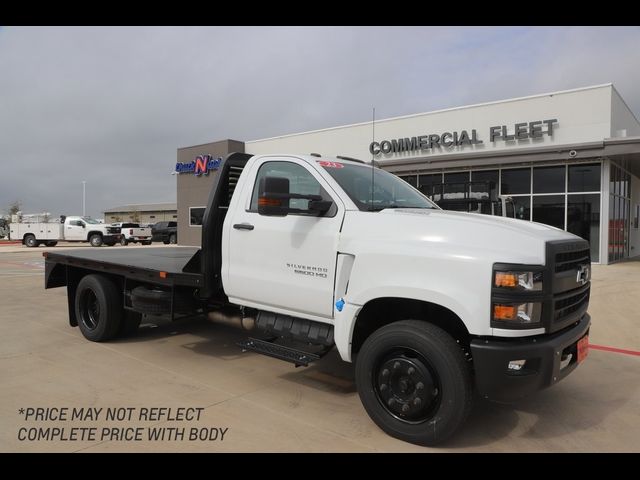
{"points": [[414, 382], [95, 240]]}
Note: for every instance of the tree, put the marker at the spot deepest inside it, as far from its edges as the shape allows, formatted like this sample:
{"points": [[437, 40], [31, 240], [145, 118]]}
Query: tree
{"points": [[15, 207]]}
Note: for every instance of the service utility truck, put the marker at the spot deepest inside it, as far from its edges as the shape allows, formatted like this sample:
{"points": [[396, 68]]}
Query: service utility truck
{"points": [[311, 253], [68, 229]]}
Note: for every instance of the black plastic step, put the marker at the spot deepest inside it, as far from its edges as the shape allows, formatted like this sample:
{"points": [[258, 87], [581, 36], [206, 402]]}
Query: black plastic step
{"points": [[288, 354]]}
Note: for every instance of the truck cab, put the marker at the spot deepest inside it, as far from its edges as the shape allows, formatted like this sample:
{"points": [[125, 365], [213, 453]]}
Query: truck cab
{"points": [[313, 253]]}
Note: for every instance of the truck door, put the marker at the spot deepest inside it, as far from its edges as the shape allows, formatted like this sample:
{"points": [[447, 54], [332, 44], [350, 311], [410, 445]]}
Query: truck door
{"points": [[75, 230], [288, 261]]}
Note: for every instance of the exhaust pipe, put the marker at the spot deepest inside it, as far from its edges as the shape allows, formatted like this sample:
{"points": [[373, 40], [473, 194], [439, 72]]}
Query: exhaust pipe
{"points": [[233, 318]]}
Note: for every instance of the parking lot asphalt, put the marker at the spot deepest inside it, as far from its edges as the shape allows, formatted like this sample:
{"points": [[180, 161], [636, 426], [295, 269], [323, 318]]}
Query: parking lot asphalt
{"points": [[153, 384]]}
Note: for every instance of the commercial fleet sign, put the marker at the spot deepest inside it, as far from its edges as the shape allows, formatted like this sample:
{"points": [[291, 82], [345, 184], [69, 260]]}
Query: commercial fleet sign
{"points": [[519, 131], [202, 165]]}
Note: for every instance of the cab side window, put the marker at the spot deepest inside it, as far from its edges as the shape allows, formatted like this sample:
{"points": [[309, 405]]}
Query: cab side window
{"points": [[76, 223], [300, 181]]}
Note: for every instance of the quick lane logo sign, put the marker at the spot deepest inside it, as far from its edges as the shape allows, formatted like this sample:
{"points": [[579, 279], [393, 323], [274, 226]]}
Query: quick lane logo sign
{"points": [[521, 131], [202, 165]]}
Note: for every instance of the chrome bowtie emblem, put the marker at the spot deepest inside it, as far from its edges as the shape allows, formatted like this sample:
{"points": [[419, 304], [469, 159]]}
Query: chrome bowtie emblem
{"points": [[583, 274]]}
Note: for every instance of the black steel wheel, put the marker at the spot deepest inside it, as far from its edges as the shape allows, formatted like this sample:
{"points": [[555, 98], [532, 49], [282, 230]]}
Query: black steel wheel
{"points": [[414, 381], [98, 307], [30, 241]]}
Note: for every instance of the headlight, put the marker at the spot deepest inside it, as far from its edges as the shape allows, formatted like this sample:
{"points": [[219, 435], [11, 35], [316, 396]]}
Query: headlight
{"points": [[521, 281], [516, 314]]}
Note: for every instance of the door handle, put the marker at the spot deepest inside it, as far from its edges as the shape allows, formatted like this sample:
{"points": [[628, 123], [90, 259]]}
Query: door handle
{"points": [[243, 226]]}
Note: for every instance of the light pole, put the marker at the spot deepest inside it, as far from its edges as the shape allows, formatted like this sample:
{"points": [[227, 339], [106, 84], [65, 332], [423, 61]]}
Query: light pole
{"points": [[84, 211]]}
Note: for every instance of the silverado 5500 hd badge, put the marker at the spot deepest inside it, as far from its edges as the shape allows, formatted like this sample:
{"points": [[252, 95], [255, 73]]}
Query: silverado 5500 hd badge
{"points": [[308, 270]]}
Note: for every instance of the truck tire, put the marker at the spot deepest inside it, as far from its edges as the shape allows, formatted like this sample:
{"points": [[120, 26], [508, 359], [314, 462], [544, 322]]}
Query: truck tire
{"points": [[129, 324], [157, 301], [123, 241], [98, 305], [414, 382], [30, 241], [95, 240], [50, 244], [173, 239]]}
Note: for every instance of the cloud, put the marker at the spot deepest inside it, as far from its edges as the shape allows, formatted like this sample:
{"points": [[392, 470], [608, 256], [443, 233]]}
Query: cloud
{"points": [[111, 105]]}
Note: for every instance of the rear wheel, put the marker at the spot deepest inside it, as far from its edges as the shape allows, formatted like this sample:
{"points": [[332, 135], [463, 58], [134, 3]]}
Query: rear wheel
{"points": [[95, 240], [173, 239], [123, 241], [98, 307], [414, 382], [30, 241]]}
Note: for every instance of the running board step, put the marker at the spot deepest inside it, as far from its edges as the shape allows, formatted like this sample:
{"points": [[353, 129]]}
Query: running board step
{"points": [[288, 354]]}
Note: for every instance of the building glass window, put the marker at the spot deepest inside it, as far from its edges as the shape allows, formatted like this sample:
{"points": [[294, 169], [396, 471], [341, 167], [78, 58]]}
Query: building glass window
{"points": [[549, 209], [485, 183], [522, 206], [584, 178], [196, 214], [619, 213], [583, 219], [516, 181], [410, 179], [426, 183], [548, 180], [455, 184]]}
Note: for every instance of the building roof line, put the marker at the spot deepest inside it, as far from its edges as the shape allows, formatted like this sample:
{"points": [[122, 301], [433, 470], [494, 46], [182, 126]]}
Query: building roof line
{"points": [[413, 115]]}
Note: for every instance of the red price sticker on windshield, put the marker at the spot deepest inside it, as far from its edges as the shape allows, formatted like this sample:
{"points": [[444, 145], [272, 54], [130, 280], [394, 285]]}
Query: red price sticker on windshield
{"points": [[326, 164]]}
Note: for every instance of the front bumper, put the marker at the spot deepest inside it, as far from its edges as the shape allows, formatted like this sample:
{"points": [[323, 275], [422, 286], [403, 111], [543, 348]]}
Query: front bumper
{"points": [[547, 362]]}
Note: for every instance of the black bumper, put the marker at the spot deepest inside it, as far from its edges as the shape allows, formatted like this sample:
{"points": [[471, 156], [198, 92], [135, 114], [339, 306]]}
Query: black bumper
{"points": [[111, 238], [546, 362]]}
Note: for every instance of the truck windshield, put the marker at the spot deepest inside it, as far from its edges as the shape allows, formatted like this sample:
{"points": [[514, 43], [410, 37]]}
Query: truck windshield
{"points": [[389, 191], [90, 220]]}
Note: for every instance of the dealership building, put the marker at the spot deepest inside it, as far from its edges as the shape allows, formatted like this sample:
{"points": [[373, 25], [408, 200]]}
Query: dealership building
{"points": [[570, 159]]}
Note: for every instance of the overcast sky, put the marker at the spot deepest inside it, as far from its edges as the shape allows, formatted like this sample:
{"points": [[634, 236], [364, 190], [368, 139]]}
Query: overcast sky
{"points": [[112, 105]]}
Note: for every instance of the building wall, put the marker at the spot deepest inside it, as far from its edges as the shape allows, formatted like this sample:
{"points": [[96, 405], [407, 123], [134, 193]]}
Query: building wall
{"points": [[584, 115], [144, 217], [623, 122], [193, 191]]}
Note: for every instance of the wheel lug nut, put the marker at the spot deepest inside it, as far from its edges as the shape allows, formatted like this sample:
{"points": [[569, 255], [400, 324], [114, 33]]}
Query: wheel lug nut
{"points": [[396, 365], [405, 408], [385, 372], [417, 401], [383, 387], [411, 371], [419, 386], [434, 392]]}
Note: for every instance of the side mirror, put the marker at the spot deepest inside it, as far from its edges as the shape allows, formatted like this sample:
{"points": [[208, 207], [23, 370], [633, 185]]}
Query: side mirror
{"points": [[274, 196]]}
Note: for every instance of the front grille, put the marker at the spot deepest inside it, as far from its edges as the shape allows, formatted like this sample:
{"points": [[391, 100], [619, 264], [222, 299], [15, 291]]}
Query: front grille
{"points": [[113, 230], [571, 260], [567, 304]]}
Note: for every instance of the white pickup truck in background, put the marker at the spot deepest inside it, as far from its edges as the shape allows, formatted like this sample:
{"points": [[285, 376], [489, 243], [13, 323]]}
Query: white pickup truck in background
{"points": [[133, 233], [68, 229]]}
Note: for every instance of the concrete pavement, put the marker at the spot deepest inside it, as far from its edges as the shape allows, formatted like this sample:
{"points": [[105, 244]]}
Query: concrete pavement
{"points": [[269, 406]]}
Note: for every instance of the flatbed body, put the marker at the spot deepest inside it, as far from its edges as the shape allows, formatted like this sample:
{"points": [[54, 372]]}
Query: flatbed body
{"points": [[164, 265]]}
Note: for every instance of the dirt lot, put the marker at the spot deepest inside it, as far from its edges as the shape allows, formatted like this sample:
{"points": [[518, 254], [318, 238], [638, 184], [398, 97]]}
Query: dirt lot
{"points": [[247, 402]]}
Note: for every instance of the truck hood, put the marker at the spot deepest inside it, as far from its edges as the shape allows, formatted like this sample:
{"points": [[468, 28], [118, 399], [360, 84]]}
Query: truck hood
{"points": [[442, 232]]}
